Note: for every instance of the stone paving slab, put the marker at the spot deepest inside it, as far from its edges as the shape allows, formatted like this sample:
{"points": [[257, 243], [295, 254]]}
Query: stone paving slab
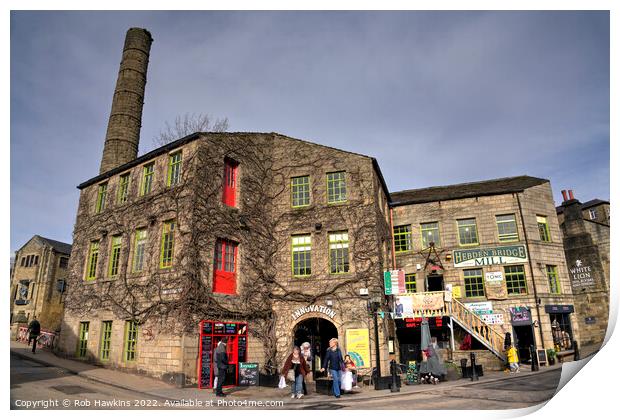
{"points": [[158, 389]]}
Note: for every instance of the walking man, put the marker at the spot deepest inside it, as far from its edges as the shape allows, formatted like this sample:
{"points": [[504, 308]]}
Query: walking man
{"points": [[333, 361], [34, 329], [220, 358]]}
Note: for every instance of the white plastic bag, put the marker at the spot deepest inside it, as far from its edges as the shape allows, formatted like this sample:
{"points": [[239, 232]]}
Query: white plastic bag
{"points": [[282, 383], [215, 383], [346, 381]]}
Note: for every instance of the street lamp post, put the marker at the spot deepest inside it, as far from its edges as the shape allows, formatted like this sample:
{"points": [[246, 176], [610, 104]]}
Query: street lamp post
{"points": [[375, 304]]}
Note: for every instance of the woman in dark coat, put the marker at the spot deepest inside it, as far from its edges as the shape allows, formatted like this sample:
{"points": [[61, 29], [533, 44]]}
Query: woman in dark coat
{"points": [[297, 364]]}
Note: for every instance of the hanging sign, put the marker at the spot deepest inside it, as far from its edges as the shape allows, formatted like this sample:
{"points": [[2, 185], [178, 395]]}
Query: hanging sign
{"points": [[489, 256], [400, 276], [520, 315]]}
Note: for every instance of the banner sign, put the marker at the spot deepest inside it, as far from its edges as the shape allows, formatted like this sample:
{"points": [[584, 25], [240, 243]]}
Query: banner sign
{"points": [[489, 256], [480, 308], [427, 301], [358, 346]]}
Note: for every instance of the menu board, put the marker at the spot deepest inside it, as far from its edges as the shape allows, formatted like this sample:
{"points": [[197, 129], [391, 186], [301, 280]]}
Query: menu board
{"points": [[242, 346], [205, 374], [207, 327], [230, 329], [218, 328], [248, 374]]}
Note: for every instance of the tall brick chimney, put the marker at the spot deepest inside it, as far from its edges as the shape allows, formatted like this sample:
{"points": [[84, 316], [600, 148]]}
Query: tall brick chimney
{"points": [[123, 135]]}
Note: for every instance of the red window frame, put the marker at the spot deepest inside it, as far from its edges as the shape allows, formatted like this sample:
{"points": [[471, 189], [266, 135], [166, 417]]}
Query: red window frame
{"points": [[225, 267], [229, 193]]}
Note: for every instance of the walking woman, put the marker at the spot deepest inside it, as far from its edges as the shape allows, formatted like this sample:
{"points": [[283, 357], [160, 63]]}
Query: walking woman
{"points": [[296, 364]]}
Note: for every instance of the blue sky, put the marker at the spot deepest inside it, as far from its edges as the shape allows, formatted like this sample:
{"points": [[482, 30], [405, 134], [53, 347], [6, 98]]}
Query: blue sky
{"points": [[437, 97]]}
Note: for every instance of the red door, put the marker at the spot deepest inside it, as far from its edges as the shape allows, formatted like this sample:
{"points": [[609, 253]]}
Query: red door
{"points": [[225, 267], [229, 195]]}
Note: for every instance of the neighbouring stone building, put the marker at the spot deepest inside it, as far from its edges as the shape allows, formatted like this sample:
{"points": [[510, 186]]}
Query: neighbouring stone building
{"points": [[585, 230], [37, 283], [497, 245]]}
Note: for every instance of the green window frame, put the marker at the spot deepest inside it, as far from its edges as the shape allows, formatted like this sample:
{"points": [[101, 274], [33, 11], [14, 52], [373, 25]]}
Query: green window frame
{"points": [[115, 256], [468, 232], [402, 238], [301, 255], [507, 228], [106, 340], [131, 341], [123, 188], [82, 344], [516, 283], [139, 253], [167, 244], [339, 252], [102, 194], [543, 228], [336, 187], [148, 173], [410, 283], [474, 283], [93, 259], [554, 282], [174, 169], [300, 191], [430, 233]]}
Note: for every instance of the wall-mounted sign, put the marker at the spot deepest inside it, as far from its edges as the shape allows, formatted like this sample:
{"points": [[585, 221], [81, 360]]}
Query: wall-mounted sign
{"points": [[494, 277], [358, 346], [581, 275], [590, 320], [559, 309], [489, 256], [394, 282], [314, 308], [497, 319], [480, 308], [520, 315], [387, 282], [456, 292]]}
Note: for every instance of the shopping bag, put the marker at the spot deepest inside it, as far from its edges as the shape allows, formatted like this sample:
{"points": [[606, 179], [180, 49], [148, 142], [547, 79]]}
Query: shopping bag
{"points": [[215, 383], [346, 383], [282, 383]]}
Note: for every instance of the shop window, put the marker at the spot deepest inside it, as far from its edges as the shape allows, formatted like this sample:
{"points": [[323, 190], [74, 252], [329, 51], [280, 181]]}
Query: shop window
{"points": [[336, 187], [339, 252], [225, 267], [430, 234], [561, 331], [515, 280], [167, 244], [301, 255], [410, 283], [229, 195], [131, 340], [468, 232], [106, 340], [174, 169], [300, 191], [148, 173], [139, 250], [93, 258], [402, 238], [102, 194], [543, 228], [115, 256], [82, 344], [123, 189], [507, 228], [554, 282], [474, 283]]}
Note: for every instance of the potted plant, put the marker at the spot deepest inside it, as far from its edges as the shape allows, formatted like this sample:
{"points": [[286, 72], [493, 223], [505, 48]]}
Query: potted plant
{"points": [[551, 356]]}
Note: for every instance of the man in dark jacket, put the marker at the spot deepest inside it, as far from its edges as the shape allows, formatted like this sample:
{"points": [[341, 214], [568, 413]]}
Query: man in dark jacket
{"points": [[333, 361], [220, 359], [34, 330]]}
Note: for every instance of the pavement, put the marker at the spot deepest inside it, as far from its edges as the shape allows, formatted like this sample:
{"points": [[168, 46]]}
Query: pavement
{"points": [[149, 388]]}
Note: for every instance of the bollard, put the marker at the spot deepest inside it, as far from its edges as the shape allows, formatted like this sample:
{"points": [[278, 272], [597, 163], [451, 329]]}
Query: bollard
{"points": [[577, 356], [474, 374], [534, 358], [394, 387]]}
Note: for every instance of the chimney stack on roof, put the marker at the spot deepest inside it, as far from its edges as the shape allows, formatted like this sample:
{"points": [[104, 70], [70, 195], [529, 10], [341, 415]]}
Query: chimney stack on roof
{"points": [[123, 134], [564, 196], [570, 195]]}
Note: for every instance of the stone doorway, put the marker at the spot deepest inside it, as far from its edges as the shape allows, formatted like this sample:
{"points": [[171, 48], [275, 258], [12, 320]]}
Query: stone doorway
{"points": [[317, 332]]}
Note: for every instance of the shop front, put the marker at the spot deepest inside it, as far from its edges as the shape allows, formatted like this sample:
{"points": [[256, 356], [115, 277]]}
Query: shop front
{"points": [[211, 333], [523, 331], [561, 327]]}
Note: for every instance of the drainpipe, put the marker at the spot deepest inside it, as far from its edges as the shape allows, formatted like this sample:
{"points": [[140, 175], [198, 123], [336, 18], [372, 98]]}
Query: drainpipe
{"points": [[392, 238], [527, 247]]}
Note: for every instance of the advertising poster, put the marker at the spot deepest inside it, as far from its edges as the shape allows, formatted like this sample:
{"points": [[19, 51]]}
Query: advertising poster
{"points": [[358, 346]]}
